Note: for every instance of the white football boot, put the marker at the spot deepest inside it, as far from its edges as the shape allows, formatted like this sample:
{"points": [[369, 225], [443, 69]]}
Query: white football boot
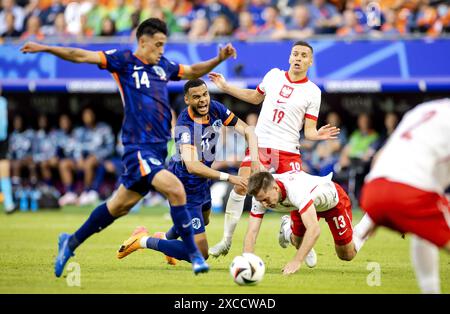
{"points": [[311, 259], [284, 235], [220, 248]]}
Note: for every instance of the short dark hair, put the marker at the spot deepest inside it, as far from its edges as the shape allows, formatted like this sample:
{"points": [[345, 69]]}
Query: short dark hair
{"points": [[193, 83], [150, 27], [303, 43], [259, 181]]}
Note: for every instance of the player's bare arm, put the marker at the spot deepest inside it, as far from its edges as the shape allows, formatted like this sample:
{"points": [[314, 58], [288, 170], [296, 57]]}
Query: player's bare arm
{"points": [[327, 132], [251, 96], [76, 55], [196, 167], [199, 69], [254, 224], [309, 219], [249, 132]]}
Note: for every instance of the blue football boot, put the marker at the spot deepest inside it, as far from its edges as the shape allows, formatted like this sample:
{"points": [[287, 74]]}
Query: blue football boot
{"points": [[64, 253], [198, 263]]}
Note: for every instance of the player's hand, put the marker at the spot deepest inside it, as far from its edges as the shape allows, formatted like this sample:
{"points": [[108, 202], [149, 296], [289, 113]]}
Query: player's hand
{"points": [[291, 267], [218, 79], [328, 132], [239, 181], [226, 52], [256, 166], [32, 47]]}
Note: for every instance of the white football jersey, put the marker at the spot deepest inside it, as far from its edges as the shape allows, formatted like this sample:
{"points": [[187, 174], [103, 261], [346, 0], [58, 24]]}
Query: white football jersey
{"points": [[418, 152], [285, 107], [302, 190]]}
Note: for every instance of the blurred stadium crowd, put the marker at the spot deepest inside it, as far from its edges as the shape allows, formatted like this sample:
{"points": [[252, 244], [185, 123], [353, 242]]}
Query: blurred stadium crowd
{"points": [[65, 20], [80, 164], [77, 160]]}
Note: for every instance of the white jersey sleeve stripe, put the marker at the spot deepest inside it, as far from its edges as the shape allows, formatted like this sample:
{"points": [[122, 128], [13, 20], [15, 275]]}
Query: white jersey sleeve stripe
{"points": [[310, 116], [257, 215], [301, 211], [260, 90]]}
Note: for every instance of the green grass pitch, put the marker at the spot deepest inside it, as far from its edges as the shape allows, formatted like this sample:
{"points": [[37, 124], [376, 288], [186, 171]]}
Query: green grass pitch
{"points": [[29, 241]]}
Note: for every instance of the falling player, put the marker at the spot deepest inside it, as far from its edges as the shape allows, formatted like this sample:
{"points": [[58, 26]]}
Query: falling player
{"points": [[291, 103], [197, 132], [307, 198], [404, 191], [142, 78]]}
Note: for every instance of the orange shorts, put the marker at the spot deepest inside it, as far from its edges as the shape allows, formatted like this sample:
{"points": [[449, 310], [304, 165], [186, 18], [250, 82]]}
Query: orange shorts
{"points": [[279, 160], [405, 208], [339, 219]]}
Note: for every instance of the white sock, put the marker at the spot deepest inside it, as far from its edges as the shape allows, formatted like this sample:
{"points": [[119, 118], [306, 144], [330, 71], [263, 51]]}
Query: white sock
{"points": [[233, 212], [362, 231], [143, 242], [425, 260]]}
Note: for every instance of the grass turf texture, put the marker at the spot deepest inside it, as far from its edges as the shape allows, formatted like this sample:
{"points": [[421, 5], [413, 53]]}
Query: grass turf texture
{"points": [[29, 242]]}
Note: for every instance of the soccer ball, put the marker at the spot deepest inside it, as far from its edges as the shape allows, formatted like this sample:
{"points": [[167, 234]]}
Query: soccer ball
{"points": [[247, 269]]}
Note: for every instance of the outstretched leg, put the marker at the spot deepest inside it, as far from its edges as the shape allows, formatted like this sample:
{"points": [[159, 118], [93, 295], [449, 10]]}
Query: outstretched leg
{"points": [[362, 231], [200, 237], [170, 186], [425, 260], [100, 218]]}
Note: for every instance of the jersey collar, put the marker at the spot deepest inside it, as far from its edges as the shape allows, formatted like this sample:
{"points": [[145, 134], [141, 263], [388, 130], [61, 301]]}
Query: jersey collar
{"points": [[143, 61], [304, 80], [282, 188], [202, 120]]}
